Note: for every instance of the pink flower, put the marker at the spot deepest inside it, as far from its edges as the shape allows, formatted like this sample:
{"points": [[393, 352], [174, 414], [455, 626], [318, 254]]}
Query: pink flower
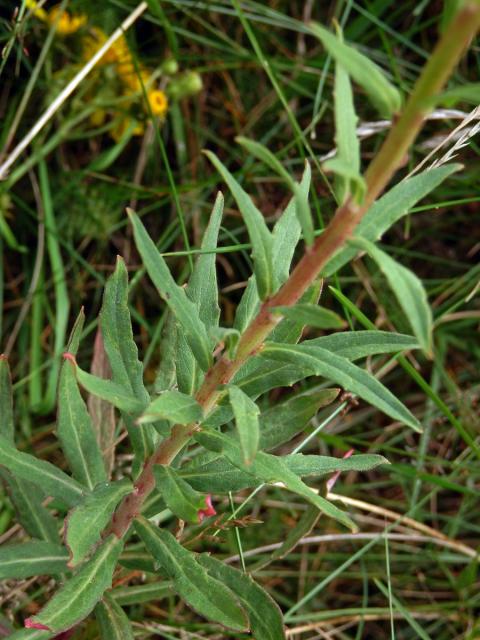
{"points": [[208, 511]]}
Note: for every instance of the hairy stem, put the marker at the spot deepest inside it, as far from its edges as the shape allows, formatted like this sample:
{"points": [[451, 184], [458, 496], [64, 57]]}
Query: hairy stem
{"points": [[389, 158]]}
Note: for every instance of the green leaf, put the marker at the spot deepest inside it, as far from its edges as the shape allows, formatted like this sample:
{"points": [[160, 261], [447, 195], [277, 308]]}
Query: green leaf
{"points": [[127, 370], [112, 620], [352, 378], [347, 160], [266, 621], [116, 325], [204, 594], [166, 376], [312, 315], [139, 593], [301, 196], [211, 472], [174, 406], [202, 289], [75, 430], [286, 234], [102, 412], [408, 290], [354, 345], [109, 391], [52, 480], [390, 208], [260, 236], [270, 469], [180, 498], [182, 307], [27, 500], [350, 181], [34, 558], [78, 596], [262, 373], [383, 95], [6, 400], [86, 521], [283, 421], [31, 634], [246, 415], [468, 92]]}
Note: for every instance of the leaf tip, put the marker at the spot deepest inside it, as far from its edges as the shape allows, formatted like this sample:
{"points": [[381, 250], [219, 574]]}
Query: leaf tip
{"points": [[30, 623], [70, 357], [209, 509]]}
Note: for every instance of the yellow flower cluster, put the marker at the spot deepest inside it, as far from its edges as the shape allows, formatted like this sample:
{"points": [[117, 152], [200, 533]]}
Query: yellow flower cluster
{"points": [[134, 79], [66, 24]]}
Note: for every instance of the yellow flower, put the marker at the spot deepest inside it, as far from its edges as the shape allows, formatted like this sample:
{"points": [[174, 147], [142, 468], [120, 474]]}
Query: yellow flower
{"points": [[37, 11], [158, 102], [67, 23]]}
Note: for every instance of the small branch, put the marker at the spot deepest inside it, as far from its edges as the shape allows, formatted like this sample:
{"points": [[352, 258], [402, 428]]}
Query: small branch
{"points": [[389, 158]]}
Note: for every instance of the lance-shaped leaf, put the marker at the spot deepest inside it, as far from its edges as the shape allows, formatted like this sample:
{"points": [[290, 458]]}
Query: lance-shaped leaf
{"points": [[101, 411], [312, 315], [109, 391], [174, 406], [126, 390], [116, 324], [75, 431], [139, 593], [6, 400], [340, 370], [52, 480], [246, 415], [27, 500], [217, 474], [283, 421], [182, 307], [202, 287], [270, 469], [186, 503], [408, 290], [390, 208], [354, 345], [206, 595], [203, 291], [286, 234], [301, 196], [266, 622], [112, 620], [85, 522], [262, 373], [78, 596], [34, 558], [260, 236], [383, 95], [25, 496], [346, 163], [166, 375]]}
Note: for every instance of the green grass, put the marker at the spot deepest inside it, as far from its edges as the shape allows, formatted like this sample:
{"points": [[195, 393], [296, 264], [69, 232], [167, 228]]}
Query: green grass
{"points": [[263, 79]]}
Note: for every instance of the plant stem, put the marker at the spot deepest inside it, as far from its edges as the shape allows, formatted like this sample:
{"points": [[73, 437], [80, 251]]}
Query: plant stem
{"points": [[389, 158]]}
